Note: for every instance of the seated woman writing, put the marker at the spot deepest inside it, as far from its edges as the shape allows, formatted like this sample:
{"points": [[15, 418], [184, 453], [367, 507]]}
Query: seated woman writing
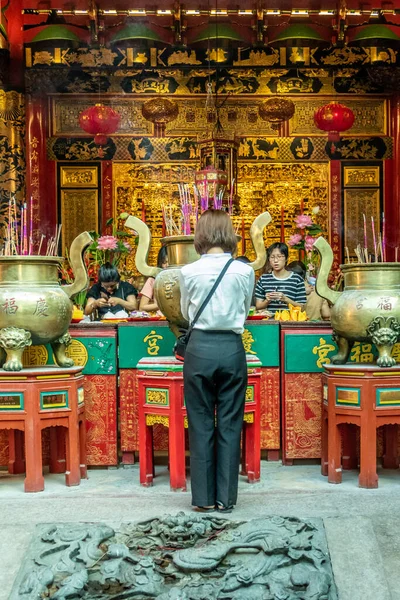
{"points": [[147, 301], [110, 294], [279, 288]]}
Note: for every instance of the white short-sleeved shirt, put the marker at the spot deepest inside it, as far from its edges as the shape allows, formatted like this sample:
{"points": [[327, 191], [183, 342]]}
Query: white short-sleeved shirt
{"points": [[230, 303]]}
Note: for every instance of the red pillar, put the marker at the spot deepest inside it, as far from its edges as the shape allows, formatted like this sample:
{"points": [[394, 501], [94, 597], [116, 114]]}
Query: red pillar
{"points": [[40, 173], [14, 18], [392, 182]]}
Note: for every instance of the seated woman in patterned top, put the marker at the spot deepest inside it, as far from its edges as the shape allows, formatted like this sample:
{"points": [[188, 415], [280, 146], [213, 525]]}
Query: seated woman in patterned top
{"points": [[279, 288]]}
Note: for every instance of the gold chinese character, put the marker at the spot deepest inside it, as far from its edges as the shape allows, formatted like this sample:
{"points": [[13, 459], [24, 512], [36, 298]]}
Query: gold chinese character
{"points": [[323, 350], [361, 353], [396, 352], [248, 341], [152, 340]]}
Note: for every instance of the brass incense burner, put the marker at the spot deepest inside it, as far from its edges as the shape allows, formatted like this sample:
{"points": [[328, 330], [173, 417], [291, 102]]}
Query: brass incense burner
{"points": [[34, 307], [367, 310], [181, 252]]}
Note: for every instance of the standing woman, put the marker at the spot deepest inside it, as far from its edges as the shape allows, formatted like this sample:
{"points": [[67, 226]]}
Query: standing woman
{"points": [[215, 370], [279, 288]]}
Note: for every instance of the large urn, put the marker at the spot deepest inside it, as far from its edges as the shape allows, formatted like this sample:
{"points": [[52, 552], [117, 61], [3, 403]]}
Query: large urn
{"points": [[181, 252], [34, 307], [368, 309]]}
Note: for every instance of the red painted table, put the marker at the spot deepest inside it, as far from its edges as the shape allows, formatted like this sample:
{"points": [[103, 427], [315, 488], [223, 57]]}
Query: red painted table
{"points": [[35, 399], [161, 400], [365, 396]]}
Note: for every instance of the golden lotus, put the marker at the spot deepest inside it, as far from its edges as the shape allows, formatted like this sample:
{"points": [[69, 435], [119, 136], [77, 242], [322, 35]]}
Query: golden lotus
{"points": [[34, 307], [368, 310], [181, 252]]}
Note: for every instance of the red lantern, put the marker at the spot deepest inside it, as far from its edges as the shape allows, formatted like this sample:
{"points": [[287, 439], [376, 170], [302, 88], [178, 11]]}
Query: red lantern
{"points": [[334, 118], [100, 121]]}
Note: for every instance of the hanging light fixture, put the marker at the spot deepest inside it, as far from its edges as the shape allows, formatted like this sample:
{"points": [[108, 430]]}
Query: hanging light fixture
{"points": [[160, 111], [334, 118], [276, 111], [218, 151], [100, 121]]}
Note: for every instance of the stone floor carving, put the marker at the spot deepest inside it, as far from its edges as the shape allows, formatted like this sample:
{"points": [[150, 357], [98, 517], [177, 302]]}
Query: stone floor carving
{"points": [[180, 557]]}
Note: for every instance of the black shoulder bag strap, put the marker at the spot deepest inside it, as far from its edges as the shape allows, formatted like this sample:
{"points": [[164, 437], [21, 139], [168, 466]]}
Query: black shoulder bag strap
{"points": [[207, 300]]}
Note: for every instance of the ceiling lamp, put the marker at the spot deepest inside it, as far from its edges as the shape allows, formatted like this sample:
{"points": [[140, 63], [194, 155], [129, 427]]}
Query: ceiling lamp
{"points": [[56, 34], [334, 118], [375, 35], [137, 34], [298, 35], [222, 32], [160, 111], [276, 111], [100, 121]]}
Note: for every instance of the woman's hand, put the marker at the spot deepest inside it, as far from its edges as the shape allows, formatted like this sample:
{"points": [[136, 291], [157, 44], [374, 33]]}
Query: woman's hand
{"points": [[280, 296], [113, 301], [101, 302]]}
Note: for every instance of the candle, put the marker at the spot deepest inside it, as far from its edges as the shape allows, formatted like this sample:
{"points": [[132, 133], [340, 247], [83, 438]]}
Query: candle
{"points": [[301, 206], [243, 239], [365, 232], [282, 224]]}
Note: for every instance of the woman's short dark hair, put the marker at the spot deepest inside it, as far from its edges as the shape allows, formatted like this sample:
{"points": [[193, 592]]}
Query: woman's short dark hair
{"points": [[162, 256], [108, 273], [214, 229], [278, 246], [297, 266]]}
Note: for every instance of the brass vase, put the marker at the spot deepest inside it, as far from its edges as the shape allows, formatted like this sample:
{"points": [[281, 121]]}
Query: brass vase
{"points": [[181, 252], [368, 309], [34, 307]]}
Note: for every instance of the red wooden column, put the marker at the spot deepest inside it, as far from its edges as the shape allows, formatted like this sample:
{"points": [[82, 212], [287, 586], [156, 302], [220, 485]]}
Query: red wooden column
{"points": [[40, 172], [14, 18], [392, 182]]}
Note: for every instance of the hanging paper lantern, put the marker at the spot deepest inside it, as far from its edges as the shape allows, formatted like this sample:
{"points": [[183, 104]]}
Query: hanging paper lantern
{"points": [[276, 111], [100, 121], [334, 118], [160, 111]]}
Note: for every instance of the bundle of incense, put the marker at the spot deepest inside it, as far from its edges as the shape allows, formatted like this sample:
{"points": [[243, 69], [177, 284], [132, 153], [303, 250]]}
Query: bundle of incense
{"points": [[186, 209], [374, 238], [358, 253], [380, 250], [218, 199], [383, 247], [230, 199], [169, 221], [365, 232]]}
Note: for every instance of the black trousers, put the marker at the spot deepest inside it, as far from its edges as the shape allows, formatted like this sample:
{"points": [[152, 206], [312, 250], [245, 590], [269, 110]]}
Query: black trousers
{"points": [[215, 381]]}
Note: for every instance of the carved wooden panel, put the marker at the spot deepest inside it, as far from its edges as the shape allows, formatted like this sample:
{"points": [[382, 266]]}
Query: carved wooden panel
{"points": [[359, 202], [79, 212], [77, 177]]}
